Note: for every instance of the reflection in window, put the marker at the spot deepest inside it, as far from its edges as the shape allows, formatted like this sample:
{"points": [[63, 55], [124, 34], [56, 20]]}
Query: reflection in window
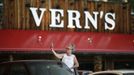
{"points": [[56, 70], [48, 69], [18, 69]]}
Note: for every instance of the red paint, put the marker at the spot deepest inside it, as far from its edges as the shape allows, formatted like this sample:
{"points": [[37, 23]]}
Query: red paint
{"points": [[35, 40]]}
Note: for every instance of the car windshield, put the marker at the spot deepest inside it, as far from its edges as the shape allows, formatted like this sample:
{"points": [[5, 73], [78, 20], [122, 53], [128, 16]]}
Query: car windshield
{"points": [[48, 69]]}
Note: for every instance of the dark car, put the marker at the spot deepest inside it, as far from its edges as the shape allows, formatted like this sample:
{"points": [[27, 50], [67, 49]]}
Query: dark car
{"points": [[34, 67]]}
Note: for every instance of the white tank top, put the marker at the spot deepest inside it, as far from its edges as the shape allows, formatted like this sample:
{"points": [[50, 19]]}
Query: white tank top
{"points": [[69, 60]]}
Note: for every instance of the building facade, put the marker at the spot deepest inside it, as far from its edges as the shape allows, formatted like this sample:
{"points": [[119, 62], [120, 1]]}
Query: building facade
{"points": [[102, 31]]}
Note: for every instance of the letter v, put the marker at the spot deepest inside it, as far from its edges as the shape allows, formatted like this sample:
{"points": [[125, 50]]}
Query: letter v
{"points": [[37, 19]]}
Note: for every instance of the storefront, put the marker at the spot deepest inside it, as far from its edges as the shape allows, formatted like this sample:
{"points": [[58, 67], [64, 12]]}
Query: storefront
{"points": [[100, 31], [95, 51]]}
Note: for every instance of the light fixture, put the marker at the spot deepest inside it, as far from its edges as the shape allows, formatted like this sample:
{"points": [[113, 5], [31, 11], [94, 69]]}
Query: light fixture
{"points": [[90, 40], [39, 38]]}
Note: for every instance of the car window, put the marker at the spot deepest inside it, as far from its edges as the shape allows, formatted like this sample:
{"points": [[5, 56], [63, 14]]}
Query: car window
{"points": [[47, 69], [57, 70], [38, 69], [18, 69]]}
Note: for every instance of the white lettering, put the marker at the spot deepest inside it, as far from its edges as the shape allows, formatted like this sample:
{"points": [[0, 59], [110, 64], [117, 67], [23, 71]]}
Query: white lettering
{"points": [[37, 19], [90, 18], [110, 21], [55, 17], [57, 20], [73, 18]]}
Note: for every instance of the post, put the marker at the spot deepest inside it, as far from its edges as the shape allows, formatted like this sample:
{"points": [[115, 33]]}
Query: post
{"points": [[10, 57]]}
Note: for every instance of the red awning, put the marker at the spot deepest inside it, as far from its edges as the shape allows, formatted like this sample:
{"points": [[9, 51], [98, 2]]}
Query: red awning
{"points": [[35, 40]]}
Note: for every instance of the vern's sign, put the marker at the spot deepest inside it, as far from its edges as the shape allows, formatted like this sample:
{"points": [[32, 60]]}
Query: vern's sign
{"points": [[74, 18]]}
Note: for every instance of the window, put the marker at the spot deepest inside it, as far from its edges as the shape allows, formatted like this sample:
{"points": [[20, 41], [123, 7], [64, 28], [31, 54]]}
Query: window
{"points": [[38, 69], [48, 69], [18, 69], [57, 70]]}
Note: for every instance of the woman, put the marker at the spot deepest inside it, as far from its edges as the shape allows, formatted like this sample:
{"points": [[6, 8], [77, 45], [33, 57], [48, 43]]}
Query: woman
{"points": [[68, 58]]}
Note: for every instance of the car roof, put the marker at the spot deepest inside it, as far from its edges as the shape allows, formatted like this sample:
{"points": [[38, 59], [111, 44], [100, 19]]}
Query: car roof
{"points": [[58, 62], [119, 72]]}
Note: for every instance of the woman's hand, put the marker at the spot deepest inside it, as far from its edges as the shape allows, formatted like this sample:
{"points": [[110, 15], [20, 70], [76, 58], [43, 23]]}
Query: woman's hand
{"points": [[52, 46]]}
